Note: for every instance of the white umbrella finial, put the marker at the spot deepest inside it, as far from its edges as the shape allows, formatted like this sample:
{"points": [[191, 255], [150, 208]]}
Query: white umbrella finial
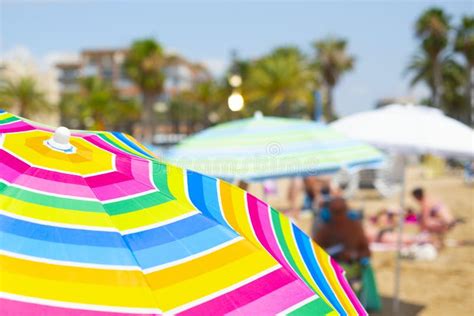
{"points": [[258, 115], [60, 140]]}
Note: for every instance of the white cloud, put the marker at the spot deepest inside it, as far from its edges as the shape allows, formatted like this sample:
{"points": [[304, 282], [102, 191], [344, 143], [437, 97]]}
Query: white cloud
{"points": [[20, 62]]}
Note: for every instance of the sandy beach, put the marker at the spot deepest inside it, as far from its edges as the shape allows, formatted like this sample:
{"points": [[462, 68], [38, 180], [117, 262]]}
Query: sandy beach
{"points": [[444, 286]]}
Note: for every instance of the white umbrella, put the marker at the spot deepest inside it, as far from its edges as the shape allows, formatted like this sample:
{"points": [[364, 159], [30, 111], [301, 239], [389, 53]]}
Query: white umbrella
{"points": [[409, 129]]}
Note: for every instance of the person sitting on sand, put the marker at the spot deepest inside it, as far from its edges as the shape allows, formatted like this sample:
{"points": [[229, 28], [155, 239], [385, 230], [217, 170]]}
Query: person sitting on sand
{"points": [[383, 228], [435, 217]]}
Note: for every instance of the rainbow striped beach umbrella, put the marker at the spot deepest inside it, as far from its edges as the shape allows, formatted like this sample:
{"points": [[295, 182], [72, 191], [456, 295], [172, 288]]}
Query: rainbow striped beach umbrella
{"points": [[93, 224], [260, 148]]}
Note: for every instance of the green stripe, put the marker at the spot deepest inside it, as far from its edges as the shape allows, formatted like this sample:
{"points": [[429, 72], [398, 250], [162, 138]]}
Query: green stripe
{"points": [[160, 178], [9, 120], [315, 307], [112, 142], [136, 203], [308, 309], [311, 160], [50, 200], [282, 242], [259, 139]]}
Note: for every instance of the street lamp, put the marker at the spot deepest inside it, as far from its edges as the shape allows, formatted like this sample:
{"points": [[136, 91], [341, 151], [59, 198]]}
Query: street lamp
{"points": [[235, 101], [235, 81]]}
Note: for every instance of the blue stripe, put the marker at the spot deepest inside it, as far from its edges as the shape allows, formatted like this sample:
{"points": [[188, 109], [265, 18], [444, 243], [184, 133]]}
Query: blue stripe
{"points": [[202, 191], [169, 233], [304, 246], [125, 140], [184, 247], [2, 111], [61, 235], [66, 252]]}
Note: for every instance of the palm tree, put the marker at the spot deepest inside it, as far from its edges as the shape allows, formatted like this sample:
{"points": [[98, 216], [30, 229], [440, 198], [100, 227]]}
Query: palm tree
{"points": [[24, 94], [332, 60], [145, 64], [464, 44], [432, 28], [98, 107], [454, 78], [279, 81]]}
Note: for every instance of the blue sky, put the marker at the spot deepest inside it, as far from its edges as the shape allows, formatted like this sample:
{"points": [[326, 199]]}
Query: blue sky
{"points": [[380, 34]]}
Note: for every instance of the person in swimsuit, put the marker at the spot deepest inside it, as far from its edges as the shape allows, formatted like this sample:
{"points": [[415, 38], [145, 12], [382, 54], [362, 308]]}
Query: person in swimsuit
{"points": [[435, 217]]}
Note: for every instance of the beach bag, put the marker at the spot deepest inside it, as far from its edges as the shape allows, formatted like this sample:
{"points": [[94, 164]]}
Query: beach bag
{"points": [[368, 295]]}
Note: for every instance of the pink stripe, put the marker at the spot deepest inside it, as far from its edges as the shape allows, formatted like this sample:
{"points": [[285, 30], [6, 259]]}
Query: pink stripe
{"points": [[15, 127], [281, 299], [121, 189], [16, 308], [261, 222], [14, 163], [54, 176], [347, 288], [141, 171], [22, 167], [262, 290], [54, 186]]}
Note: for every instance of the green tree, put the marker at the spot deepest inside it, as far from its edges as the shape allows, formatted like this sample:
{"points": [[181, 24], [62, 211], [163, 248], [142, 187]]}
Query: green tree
{"points": [[453, 77], [464, 44], [24, 94], [332, 60], [279, 81], [145, 65], [432, 28], [98, 106]]}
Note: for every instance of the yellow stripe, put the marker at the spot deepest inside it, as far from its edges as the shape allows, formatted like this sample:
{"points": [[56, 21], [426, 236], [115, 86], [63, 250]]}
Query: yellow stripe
{"points": [[5, 115], [235, 211], [52, 214], [152, 215], [324, 261], [175, 177], [60, 273], [203, 276], [71, 289]]}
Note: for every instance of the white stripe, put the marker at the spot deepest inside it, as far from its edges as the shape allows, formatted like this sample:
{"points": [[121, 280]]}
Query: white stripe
{"points": [[298, 305], [223, 291], [2, 138], [71, 305], [57, 224], [189, 258], [69, 263], [150, 175], [148, 227]]}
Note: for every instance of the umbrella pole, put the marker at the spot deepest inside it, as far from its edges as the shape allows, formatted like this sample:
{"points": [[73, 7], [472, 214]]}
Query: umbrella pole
{"points": [[401, 220]]}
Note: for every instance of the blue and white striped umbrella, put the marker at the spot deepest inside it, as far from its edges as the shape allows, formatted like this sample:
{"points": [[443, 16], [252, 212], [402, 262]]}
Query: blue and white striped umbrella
{"points": [[261, 148]]}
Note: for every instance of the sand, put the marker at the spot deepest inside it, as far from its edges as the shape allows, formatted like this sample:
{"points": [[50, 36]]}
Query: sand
{"points": [[444, 286]]}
